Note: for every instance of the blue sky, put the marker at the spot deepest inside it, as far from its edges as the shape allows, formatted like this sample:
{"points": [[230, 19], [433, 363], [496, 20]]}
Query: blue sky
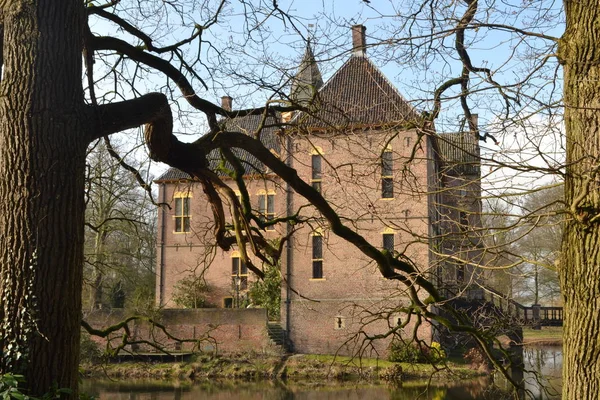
{"points": [[279, 45]]}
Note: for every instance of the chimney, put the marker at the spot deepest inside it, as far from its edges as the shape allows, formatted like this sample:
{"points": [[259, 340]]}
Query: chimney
{"points": [[359, 43], [226, 103]]}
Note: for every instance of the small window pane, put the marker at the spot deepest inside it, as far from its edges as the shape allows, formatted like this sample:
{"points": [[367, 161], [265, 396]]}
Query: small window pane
{"points": [[261, 207], [235, 265], [460, 273], [464, 221], [317, 269], [388, 241], [387, 188], [316, 166], [271, 204], [186, 224], [243, 268], [178, 225], [387, 164], [186, 206], [317, 186], [178, 206], [317, 247]]}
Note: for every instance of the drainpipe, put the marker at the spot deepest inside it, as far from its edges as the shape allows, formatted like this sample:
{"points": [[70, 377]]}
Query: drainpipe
{"points": [[161, 289], [290, 245]]}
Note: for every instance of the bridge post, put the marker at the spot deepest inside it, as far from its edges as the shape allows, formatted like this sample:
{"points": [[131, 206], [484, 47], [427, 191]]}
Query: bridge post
{"points": [[537, 323]]}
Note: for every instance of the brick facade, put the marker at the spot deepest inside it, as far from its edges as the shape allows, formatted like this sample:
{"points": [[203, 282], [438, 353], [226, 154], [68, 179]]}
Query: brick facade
{"points": [[347, 303]]}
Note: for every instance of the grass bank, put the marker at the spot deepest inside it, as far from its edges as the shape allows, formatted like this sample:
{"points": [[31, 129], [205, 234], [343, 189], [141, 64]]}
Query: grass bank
{"points": [[547, 336], [298, 368]]}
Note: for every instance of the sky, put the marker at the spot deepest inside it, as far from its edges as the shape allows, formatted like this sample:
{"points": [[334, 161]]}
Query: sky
{"points": [[268, 48]]}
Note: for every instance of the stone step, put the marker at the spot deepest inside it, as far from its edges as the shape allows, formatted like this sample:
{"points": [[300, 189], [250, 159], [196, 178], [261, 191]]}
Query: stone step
{"points": [[276, 334]]}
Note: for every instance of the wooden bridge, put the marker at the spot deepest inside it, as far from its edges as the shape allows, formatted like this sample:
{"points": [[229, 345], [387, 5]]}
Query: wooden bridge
{"points": [[534, 316]]}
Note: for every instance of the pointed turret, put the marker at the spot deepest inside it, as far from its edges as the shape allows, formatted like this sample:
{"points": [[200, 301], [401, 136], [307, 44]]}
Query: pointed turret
{"points": [[308, 80]]}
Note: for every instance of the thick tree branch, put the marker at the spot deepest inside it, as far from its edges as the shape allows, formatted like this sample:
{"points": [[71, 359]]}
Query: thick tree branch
{"points": [[388, 265], [153, 110], [211, 110]]}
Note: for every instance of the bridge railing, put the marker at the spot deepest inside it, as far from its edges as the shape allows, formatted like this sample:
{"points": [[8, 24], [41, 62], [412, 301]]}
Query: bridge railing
{"points": [[535, 315]]}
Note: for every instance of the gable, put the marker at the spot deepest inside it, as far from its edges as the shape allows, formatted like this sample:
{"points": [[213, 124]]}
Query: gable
{"points": [[358, 95]]}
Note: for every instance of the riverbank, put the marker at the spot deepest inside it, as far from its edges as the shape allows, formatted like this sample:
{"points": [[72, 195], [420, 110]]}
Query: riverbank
{"points": [[547, 336], [297, 367]]}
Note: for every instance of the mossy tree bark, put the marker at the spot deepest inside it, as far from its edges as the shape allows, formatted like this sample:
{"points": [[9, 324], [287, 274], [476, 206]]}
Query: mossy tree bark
{"points": [[580, 265], [45, 128], [42, 162]]}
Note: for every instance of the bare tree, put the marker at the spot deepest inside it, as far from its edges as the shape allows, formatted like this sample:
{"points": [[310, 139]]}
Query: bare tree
{"points": [[48, 123], [120, 232]]}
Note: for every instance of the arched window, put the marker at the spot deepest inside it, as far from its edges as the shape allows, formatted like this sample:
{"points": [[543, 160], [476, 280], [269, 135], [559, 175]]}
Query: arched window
{"points": [[387, 173], [239, 272], [317, 255], [388, 236], [316, 177]]}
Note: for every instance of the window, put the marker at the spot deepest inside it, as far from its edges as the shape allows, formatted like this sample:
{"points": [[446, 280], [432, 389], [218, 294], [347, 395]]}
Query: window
{"points": [[388, 241], [463, 221], [266, 208], [317, 256], [387, 172], [460, 273], [339, 323], [238, 194], [317, 175], [228, 302], [239, 273], [182, 213]]}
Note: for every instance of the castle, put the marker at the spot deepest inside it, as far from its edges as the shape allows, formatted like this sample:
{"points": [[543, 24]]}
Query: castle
{"points": [[411, 193]]}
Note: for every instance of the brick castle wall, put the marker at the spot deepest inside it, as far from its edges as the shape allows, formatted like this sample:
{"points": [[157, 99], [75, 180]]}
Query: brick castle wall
{"points": [[211, 330]]}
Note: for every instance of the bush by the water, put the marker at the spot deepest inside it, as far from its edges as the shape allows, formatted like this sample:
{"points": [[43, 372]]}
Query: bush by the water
{"points": [[416, 352], [89, 351]]}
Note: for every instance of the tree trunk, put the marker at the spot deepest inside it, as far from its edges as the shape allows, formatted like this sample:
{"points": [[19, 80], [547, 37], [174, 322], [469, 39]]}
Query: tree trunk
{"points": [[580, 266], [42, 163]]}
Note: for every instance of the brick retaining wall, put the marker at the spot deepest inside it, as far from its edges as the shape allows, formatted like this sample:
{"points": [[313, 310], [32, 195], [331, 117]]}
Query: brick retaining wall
{"points": [[211, 330]]}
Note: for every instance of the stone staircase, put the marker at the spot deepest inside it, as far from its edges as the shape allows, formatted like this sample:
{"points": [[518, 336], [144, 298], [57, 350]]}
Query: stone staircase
{"points": [[277, 335]]}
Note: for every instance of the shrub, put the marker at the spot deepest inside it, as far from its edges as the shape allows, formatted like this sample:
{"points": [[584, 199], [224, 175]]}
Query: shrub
{"points": [[435, 353], [267, 292], [416, 353], [405, 352], [191, 292], [89, 351], [475, 358]]}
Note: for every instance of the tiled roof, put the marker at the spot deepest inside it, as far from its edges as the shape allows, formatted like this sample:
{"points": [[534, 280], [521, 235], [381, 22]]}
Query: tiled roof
{"points": [[249, 125], [172, 174], [459, 151], [358, 94]]}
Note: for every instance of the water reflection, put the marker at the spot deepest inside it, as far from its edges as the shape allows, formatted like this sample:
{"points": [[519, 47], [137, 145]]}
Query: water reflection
{"points": [[543, 375], [476, 390], [545, 360]]}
